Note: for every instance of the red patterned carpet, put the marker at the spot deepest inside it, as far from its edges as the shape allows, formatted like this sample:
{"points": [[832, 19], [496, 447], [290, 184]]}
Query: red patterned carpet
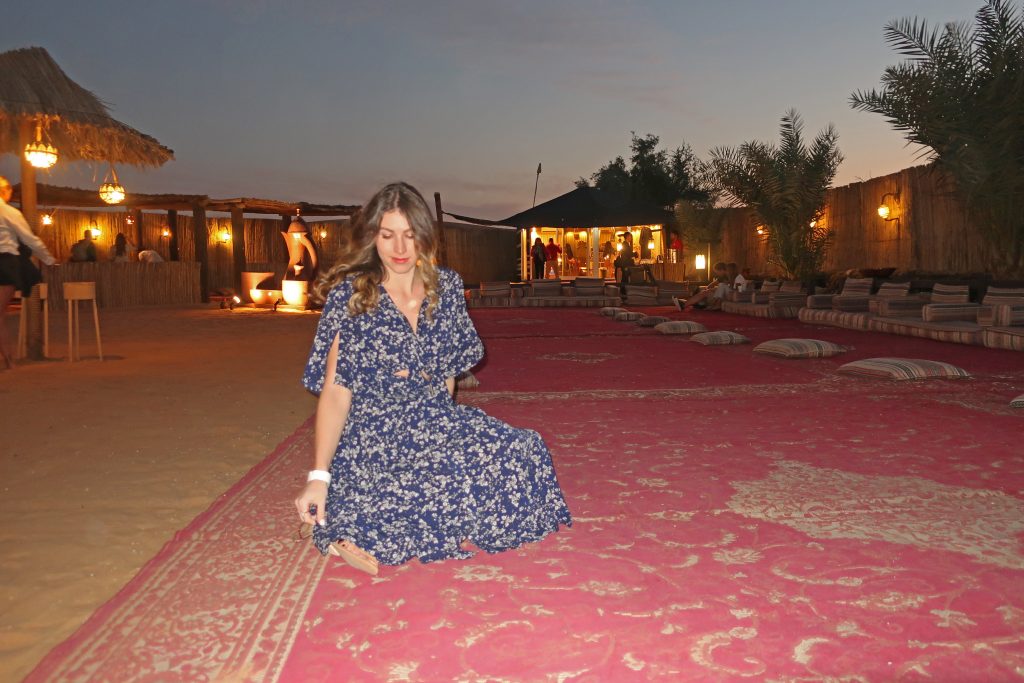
{"points": [[737, 517]]}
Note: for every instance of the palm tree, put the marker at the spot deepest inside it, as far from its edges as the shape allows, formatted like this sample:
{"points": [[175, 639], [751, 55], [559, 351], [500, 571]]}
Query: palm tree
{"points": [[960, 95], [785, 186]]}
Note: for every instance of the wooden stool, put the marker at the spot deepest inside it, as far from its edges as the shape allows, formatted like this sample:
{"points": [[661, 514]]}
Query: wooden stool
{"points": [[23, 324], [73, 293]]}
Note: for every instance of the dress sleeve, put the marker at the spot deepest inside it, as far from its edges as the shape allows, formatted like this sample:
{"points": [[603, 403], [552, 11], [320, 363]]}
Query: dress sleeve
{"points": [[462, 346], [334, 321]]}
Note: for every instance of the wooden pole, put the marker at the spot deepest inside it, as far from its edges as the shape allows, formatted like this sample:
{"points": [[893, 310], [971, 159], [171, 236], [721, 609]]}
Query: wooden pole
{"points": [[172, 223], [237, 247], [200, 237], [30, 209], [442, 243], [29, 202], [137, 217]]}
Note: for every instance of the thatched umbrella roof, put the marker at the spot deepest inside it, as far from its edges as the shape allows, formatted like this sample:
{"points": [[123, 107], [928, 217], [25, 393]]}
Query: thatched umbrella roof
{"points": [[55, 195], [33, 86]]}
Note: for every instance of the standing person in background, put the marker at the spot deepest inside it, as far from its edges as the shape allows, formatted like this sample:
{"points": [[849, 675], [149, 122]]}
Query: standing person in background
{"points": [[551, 253], [538, 255], [123, 251], [625, 260], [14, 232]]}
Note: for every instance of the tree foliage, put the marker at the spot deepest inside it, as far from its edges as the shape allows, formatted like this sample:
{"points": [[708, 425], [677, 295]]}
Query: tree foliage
{"points": [[658, 176], [960, 94], [785, 187]]}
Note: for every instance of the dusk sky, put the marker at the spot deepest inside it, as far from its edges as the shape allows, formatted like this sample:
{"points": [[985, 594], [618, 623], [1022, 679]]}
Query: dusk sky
{"points": [[325, 101]]}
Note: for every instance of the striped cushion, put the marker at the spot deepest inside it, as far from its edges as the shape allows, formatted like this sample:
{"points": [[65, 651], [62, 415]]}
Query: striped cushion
{"points": [[938, 313], [800, 348], [651, 320], [903, 369], [589, 286], [857, 286], [770, 286], [792, 287], [1017, 402], [950, 294], [1003, 295], [495, 289], [628, 316], [680, 327], [893, 289], [545, 287], [719, 338], [1010, 338], [611, 311]]}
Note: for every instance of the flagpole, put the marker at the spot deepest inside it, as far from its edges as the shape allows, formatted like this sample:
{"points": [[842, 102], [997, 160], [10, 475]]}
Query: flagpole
{"points": [[535, 184]]}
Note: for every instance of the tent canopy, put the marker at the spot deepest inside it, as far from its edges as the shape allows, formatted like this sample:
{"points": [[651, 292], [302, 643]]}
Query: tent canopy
{"points": [[588, 207], [33, 87]]}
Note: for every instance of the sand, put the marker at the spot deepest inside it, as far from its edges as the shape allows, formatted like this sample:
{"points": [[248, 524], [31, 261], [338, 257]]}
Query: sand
{"points": [[101, 462]]}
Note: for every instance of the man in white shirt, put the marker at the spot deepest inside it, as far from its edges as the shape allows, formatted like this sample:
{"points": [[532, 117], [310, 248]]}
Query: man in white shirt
{"points": [[14, 229]]}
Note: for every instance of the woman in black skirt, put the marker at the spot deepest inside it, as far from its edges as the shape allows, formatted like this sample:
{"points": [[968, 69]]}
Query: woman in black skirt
{"points": [[14, 231]]}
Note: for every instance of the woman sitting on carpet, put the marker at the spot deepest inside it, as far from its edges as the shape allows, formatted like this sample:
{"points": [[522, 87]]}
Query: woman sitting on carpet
{"points": [[400, 470]]}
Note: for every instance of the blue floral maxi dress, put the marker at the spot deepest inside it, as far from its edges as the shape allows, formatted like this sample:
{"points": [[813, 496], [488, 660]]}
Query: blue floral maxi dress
{"points": [[415, 473]]}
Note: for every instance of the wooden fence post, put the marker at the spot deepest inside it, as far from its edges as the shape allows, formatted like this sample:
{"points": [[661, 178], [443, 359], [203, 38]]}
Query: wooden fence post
{"points": [[200, 237], [238, 264]]}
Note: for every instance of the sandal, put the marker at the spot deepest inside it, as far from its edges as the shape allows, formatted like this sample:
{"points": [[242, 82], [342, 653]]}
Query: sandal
{"points": [[355, 556]]}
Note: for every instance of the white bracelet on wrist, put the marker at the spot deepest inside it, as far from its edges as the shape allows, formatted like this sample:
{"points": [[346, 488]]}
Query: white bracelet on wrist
{"points": [[319, 475]]}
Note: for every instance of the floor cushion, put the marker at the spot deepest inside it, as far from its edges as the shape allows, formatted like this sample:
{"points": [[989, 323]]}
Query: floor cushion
{"points": [[680, 327], [651, 320], [800, 348], [610, 311], [719, 338], [628, 316], [903, 369]]}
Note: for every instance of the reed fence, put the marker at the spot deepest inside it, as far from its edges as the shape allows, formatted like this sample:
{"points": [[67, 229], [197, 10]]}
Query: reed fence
{"points": [[122, 285]]}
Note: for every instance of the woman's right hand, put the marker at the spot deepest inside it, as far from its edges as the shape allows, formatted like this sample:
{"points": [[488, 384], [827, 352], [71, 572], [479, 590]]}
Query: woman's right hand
{"points": [[315, 494]]}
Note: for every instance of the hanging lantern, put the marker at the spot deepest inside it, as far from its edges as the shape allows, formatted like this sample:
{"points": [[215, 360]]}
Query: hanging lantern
{"points": [[111, 191], [40, 154]]}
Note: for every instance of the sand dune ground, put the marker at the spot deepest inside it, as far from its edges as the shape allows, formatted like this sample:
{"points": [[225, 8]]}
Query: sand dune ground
{"points": [[101, 462]]}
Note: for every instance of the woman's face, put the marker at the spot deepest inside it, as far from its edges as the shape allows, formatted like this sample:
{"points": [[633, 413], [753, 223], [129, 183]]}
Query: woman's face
{"points": [[396, 244]]}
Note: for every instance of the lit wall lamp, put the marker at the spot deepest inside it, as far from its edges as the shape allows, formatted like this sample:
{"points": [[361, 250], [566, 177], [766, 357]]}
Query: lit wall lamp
{"points": [[47, 219], [889, 207], [94, 230], [650, 245], [224, 236], [165, 233], [701, 263], [761, 230]]}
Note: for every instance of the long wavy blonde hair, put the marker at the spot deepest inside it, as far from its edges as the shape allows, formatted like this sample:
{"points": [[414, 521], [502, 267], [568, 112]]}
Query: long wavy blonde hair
{"points": [[361, 261]]}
